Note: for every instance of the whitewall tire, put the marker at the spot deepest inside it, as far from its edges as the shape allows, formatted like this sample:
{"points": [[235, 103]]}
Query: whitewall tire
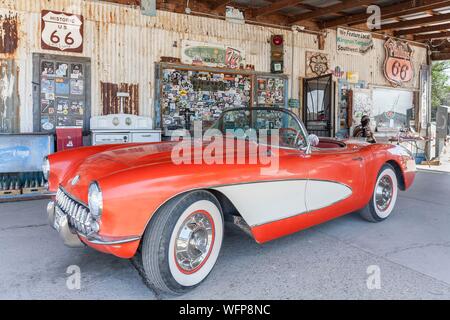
{"points": [[384, 196], [182, 242]]}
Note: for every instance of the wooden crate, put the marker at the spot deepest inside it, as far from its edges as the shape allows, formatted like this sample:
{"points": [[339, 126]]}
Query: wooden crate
{"points": [[9, 192], [33, 190]]}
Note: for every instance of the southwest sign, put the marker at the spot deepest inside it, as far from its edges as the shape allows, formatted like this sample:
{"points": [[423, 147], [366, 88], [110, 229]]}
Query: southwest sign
{"points": [[398, 67]]}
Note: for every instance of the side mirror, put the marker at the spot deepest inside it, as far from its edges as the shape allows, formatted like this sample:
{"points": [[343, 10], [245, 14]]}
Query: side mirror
{"points": [[313, 140]]}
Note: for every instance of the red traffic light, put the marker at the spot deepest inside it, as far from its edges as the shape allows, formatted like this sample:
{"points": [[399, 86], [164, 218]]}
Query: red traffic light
{"points": [[277, 40]]}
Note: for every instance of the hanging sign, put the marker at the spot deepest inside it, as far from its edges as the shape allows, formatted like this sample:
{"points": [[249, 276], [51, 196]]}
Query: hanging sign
{"points": [[211, 55], [398, 67], [353, 42], [61, 31], [317, 64]]}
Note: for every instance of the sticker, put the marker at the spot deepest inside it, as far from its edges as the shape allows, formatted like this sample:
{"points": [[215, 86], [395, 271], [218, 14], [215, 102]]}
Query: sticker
{"points": [[77, 107], [47, 68], [61, 69], [62, 106], [50, 96], [47, 106], [47, 86], [76, 70], [76, 87], [47, 123], [79, 122], [62, 87]]}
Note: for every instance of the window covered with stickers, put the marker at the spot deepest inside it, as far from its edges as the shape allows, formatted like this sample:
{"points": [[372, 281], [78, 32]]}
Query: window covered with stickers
{"points": [[62, 95], [187, 96]]}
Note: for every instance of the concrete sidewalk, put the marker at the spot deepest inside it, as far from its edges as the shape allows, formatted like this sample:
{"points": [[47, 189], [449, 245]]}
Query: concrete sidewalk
{"points": [[330, 261]]}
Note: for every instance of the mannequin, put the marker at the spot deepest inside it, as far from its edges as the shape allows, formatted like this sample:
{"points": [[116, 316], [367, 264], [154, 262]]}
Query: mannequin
{"points": [[364, 131]]}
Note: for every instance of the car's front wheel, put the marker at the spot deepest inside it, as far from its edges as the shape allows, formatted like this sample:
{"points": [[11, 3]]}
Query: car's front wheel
{"points": [[384, 196], [182, 242]]}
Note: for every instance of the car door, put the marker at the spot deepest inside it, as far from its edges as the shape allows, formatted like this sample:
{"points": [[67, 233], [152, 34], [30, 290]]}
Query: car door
{"points": [[336, 180]]}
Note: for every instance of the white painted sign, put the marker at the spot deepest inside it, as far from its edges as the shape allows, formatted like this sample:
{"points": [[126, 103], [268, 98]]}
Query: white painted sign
{"points": [[61, 31]]}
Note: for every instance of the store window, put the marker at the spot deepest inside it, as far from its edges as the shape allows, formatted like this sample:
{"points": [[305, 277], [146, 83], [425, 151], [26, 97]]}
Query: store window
{"points": [[61, 92], [187, 96], [392, 109]]}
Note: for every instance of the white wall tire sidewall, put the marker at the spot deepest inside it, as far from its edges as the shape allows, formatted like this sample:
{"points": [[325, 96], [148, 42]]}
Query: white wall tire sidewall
{"points": [[384, 214], [195, 278]]}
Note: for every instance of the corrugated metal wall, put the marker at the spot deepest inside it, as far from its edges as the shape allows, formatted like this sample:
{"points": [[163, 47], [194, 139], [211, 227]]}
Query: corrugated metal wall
{"points": [[123, 46]]}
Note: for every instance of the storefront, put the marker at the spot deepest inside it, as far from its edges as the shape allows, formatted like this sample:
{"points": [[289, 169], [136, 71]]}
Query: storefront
{"points": [[111, 58]]}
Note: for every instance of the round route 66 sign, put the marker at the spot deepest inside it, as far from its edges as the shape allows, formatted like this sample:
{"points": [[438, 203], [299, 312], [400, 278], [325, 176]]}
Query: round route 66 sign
{"points": [[61, 31]]}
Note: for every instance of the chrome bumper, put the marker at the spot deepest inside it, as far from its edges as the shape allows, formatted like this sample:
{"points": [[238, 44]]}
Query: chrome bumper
{"points": [[60, 223]]}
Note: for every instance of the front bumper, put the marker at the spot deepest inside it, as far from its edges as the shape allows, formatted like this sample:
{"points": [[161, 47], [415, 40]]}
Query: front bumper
{"points": [[124, 247], [61, 224]]}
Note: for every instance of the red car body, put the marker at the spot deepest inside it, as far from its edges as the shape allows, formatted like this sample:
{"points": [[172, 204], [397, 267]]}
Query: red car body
{"points": [[138, 179]]}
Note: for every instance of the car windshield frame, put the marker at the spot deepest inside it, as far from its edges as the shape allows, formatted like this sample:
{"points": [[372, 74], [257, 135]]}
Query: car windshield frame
{"points": [[218, 125]]}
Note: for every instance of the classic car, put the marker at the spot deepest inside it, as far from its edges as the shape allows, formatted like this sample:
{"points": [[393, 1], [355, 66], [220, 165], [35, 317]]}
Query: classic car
{"points": [[137, 200]]}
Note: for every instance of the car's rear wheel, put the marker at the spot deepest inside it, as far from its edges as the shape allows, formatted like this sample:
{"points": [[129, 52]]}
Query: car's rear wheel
{"points": [[182, 242], [384, 196]]}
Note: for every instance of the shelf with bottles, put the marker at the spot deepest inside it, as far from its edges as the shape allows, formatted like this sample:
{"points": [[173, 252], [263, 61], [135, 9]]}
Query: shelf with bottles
{"points": [[23, 183]]}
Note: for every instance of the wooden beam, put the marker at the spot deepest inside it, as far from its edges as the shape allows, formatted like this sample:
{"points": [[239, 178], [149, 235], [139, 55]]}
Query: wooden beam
{"points": [[275, 6], [416, 22], [345, 4], [220, 5], [431, 36], [126, 2], [438, 27], [387, 12], [440, 56]]}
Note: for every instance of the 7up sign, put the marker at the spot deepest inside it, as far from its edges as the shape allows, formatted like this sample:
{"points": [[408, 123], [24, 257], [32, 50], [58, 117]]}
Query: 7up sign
{"points": [[61, 31]]}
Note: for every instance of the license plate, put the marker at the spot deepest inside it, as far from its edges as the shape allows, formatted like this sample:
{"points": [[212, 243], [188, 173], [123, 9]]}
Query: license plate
{"points": [[59, 215]]}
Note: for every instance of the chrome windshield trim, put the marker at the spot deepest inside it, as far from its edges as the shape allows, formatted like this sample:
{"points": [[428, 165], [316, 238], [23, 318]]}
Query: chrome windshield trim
{"points": [[292, 114]]}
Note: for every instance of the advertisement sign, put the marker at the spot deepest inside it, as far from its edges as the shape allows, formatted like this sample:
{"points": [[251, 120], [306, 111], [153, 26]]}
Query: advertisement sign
{"points": [[211, 55], [398, 67], [61, 31], [353, 42]]}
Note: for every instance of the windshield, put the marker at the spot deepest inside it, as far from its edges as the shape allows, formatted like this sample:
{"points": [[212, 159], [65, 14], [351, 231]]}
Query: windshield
{"points": [[261, 123]]}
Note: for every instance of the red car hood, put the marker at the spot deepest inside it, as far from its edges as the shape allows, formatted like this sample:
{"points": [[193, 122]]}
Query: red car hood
{"points": [[116, 159]]}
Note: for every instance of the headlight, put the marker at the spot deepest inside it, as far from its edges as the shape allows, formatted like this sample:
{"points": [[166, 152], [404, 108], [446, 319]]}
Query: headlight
{"points": [[46, 168], [95, 200]]}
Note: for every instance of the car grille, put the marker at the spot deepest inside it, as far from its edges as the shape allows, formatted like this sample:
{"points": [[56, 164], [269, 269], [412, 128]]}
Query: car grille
{"points": [[77, 213]]}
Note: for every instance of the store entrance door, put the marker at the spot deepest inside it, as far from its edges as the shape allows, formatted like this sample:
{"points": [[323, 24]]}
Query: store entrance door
{"points": [[61, 95], [318, 105]]}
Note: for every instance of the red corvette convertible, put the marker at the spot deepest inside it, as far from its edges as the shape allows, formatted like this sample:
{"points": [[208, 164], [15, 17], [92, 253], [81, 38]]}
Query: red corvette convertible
{"points": [[168, 201]]}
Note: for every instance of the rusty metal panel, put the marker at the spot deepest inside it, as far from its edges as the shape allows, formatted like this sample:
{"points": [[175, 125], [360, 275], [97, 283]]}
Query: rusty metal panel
{"points": [[9, 36], [9, 100], [111, 103]]}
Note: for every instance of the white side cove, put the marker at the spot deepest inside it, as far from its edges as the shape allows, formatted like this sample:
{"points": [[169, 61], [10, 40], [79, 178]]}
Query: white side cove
{"points": [[264, 202]]}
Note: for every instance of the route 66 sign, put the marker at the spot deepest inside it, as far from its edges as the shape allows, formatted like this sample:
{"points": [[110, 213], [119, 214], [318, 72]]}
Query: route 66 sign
{"points": [[61, 31], [398, 67]]}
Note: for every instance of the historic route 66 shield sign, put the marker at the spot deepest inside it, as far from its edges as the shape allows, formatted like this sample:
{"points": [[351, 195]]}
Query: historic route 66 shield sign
{"points": [[398, 67], [61, 31]]}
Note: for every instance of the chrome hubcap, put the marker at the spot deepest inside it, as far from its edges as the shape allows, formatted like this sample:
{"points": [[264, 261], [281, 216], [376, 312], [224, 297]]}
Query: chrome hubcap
{"points": [[384, 192], [194, 241]]}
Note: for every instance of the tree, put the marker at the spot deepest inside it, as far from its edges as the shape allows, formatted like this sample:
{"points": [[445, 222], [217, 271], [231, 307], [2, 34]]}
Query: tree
{"points": [[440, 89]]}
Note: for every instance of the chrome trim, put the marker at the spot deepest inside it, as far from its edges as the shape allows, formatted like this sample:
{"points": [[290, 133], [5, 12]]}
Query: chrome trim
{"points": [[110, 242], [69, 238]]}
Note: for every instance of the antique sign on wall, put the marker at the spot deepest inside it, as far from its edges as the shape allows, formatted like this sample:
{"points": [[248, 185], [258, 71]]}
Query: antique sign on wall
{"points": [[61, 31], [211, 55], [317, 64], [353, 42], [398, 67]]}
